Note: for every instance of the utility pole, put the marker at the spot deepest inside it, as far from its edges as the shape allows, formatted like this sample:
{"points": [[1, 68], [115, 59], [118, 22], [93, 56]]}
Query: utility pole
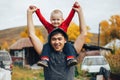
{"points": [[99, 35]]}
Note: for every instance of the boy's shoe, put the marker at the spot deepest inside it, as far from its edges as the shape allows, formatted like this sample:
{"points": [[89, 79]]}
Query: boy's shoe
{"points": [[71, 62], [42, 63]]}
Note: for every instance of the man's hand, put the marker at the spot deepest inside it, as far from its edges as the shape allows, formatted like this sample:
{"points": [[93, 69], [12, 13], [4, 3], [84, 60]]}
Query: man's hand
{"points": [[77, 7], [32, 9]]}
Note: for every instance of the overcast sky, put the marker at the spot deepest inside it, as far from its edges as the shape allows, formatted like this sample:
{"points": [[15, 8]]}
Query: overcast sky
{"points": [[13, 12]]}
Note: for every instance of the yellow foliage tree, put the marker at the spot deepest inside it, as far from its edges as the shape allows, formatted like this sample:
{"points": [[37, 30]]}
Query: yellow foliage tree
{"points": [[110, 29], [5, 45], [39, 34], [73, 32], [24, 34], [13, 41], [104, 31]]}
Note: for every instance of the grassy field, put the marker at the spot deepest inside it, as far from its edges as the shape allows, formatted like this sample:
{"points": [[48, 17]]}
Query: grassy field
{"points": [[20, 73]]}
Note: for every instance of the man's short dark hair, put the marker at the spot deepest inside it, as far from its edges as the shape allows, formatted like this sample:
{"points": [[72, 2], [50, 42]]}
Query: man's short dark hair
{"points": [[56, 31]]}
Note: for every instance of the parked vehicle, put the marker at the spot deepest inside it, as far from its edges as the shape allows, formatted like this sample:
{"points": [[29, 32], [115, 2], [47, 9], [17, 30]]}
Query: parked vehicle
{"points": [[92, 64], [5, 60]]}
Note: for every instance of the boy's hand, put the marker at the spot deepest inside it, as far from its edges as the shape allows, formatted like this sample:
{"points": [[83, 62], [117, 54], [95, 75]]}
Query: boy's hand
{"points": [[76, 5]]}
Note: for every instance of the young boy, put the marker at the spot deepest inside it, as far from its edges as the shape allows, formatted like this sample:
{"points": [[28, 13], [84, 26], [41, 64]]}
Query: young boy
{"points": [[57, 21]]}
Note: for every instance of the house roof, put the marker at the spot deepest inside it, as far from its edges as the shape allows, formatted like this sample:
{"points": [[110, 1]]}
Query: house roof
{"points": [[113, 43], [21, 43], [94, 47]]}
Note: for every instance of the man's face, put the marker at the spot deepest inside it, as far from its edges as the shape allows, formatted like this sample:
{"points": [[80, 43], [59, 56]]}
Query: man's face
{"points": [[58, 41]]}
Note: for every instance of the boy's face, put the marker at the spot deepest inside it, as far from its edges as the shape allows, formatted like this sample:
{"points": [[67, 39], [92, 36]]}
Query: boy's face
{"points": [[57, 42], [56, 20]]}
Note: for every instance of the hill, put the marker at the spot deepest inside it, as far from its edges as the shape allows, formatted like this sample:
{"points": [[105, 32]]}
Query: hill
{"points": [[11, 34], [14, 34]]}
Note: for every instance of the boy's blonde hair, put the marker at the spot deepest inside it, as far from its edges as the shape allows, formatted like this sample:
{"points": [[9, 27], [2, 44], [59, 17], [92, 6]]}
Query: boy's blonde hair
{"points": [[56, 11]]}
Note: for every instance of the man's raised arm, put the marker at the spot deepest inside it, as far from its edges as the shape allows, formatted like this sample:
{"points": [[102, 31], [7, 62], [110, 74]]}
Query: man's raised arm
{"points": [[38, 45], [83, 31]]}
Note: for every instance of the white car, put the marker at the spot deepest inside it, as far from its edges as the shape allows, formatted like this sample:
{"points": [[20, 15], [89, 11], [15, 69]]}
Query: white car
{"points": [[92, 64], [5, 60]]}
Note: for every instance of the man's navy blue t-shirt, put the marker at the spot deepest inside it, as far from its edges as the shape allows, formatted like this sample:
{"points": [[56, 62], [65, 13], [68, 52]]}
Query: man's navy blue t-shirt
{"points": [[57, 68]]}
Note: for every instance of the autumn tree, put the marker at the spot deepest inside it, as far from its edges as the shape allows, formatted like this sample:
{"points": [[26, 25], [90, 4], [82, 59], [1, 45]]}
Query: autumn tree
{"points": [[73, 32], [110, 30], [104, 31], [5, 45], [115, 26], [13, 41], [24, 34]]}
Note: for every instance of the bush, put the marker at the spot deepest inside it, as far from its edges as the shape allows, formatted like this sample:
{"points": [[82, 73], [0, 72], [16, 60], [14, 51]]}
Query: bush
{"points": [[114, 61]]}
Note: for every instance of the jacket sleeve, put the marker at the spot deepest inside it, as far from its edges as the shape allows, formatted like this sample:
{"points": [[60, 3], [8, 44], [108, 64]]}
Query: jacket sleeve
{"points": [[47, 25], [67, 21]]}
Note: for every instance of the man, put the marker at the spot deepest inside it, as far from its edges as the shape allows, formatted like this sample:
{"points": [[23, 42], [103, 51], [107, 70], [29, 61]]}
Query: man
{"points": [[57, 68]]}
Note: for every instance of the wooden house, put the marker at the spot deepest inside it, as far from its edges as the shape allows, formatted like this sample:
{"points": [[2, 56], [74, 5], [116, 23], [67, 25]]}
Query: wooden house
{"points": [[23, 53]]}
